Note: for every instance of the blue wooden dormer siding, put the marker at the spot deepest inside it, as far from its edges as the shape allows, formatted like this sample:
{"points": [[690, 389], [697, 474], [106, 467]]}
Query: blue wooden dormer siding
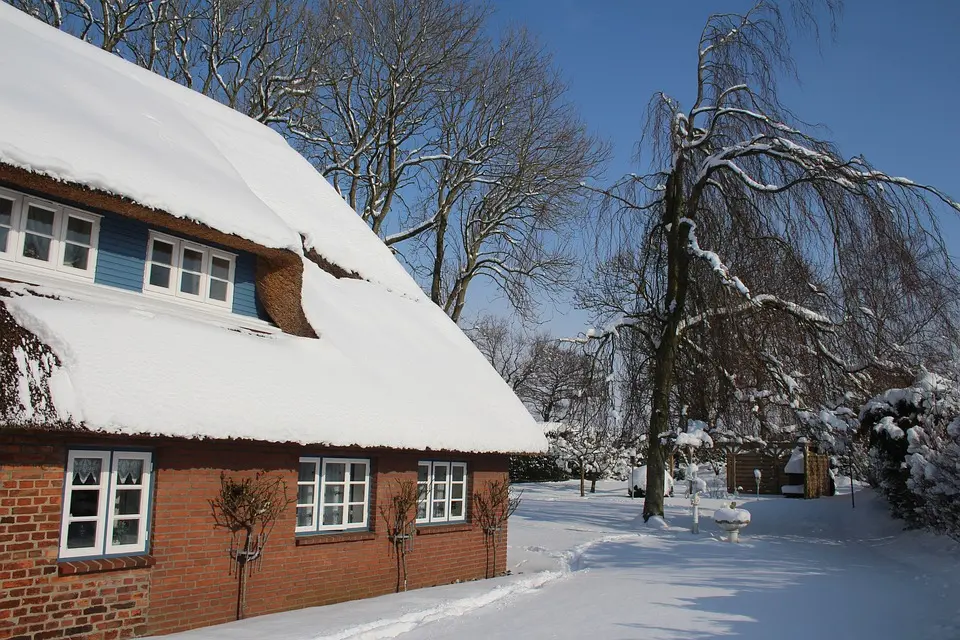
{"points": [[122, 254]]}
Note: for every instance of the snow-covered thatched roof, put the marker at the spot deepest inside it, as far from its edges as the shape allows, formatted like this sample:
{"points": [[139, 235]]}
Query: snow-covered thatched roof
{"points": [[389, 368]]}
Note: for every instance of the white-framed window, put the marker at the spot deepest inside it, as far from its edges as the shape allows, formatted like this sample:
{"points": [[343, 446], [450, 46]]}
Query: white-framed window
{"points": [[106, 495], [442, 492], [189, 271], [48, 235], [333, 494]]}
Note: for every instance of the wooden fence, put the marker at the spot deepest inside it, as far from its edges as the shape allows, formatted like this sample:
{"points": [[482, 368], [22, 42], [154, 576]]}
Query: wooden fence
{"points": [[771, 461]]}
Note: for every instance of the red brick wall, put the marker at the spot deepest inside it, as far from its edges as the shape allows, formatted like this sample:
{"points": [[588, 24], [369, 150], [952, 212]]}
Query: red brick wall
{"points": [[189, 583], [36, 602]]}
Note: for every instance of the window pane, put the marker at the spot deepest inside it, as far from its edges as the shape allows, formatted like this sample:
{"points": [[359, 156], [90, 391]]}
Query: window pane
{"points": [[190, 283], [355, 514], [75, 256], [126, 531], [79, 231], [160, 276], [423, 473], [439, 473], [358, 472], [304, 516], [4, 234], [357, 493], [421, 510], [305, 494], [308, 471], [84, 503], [6, 212], [458, 473], [81, 535], [127, 502], [439, 492], [219, 268], [86, 470], [40, 220], [334, 472], [333, 494], [456, 492], [333, 515], [36, 247], [192, 260], [129, 471], [218, 290], [456, 509], [162, 252], [439, 508]]}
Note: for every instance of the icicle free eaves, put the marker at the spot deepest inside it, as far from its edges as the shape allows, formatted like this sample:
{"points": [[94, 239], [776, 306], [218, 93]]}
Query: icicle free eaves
{"points": [[389, 369]]}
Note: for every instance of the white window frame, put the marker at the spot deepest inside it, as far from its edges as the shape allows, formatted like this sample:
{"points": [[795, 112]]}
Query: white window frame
{"points": [[17, 235], [426, 492], [176, 271], [319, 484], [106, 518]]}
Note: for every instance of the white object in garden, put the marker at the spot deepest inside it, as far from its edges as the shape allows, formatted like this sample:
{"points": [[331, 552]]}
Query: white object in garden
{"points": [[756, 475], [695, 501], [638, 482], [731, 520]]}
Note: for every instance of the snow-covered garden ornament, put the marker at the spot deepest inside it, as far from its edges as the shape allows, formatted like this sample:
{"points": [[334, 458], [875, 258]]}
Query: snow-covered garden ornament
{"points": [[695, 501], [731, 520], [756, 476]]}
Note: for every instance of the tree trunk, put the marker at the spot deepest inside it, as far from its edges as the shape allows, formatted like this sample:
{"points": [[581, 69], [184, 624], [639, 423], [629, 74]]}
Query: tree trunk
{"points": [[582, 478], [593, 485], [678, 263], [436, 291]]}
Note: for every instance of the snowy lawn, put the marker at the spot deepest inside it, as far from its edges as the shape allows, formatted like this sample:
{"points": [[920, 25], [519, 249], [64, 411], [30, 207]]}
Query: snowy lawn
{"points": [[587, 567]]}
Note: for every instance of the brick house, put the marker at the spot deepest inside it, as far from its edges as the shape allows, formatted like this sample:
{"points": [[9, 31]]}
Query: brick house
{"points": [[183, 297]]}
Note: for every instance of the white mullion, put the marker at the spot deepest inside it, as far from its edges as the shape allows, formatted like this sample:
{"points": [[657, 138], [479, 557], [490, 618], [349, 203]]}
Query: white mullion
{"points": [[54, 244], [318, 494], [174, 281], [111, 518], [428, 491], [231, 260], [315, 483], [463, 494], [13, 234], [92, 248], [100, 518], [184, 245], [446, 498], [323, 494], [365, 484]]}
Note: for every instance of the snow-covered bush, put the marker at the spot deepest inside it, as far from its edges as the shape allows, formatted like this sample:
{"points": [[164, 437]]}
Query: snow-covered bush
{"points": [[915, 451]]}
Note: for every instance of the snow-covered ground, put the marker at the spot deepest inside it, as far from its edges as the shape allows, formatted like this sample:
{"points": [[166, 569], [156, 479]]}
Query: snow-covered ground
{"points": [[588, 568]]}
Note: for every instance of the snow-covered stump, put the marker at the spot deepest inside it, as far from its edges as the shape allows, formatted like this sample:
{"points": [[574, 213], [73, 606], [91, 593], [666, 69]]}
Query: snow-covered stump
{"points": [[731, 520]]}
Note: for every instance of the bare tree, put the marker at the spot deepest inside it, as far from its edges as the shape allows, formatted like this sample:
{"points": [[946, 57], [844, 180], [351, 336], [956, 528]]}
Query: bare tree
{"points": [[738, 164], [260, 57], [549, 376], [457, 146]]}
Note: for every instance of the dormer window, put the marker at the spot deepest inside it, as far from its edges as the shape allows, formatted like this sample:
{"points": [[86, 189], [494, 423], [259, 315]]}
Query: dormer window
{"points": [[39, 233], [189, 271]]}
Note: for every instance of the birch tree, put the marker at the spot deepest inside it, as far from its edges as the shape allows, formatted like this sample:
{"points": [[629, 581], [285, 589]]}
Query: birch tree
{"points": [[736, 163]]}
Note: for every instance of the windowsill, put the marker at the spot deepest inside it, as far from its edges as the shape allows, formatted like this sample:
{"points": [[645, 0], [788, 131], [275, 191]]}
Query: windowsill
{"points": [[431, 529], [77, 567], [308, 539]]}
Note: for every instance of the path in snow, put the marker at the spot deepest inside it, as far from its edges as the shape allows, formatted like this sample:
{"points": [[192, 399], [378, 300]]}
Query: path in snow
{"points": [[804, 569], [584, 568]]}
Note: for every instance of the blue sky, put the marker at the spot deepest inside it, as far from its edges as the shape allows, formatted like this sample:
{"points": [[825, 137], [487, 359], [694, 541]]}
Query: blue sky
{"points": [[886, 87]]}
